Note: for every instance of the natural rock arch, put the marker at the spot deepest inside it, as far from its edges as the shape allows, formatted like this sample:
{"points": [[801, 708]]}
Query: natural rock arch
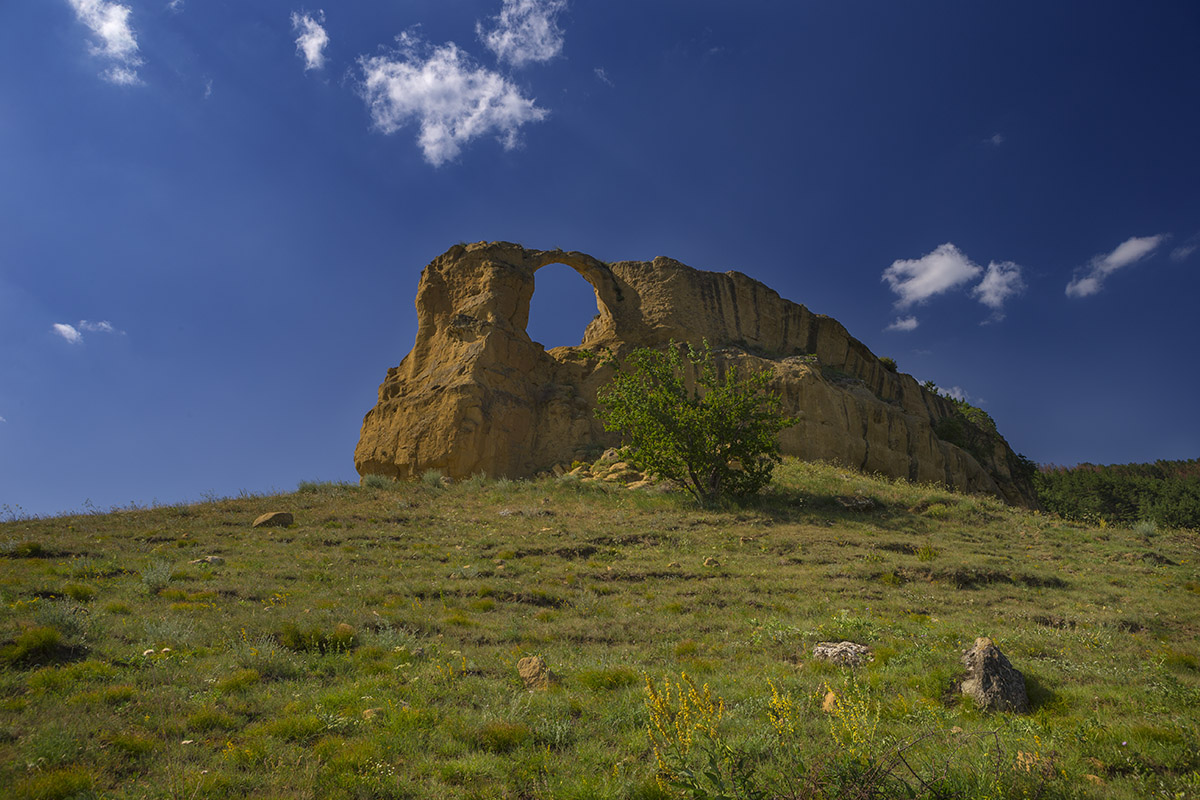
{"points": [[477, 395], [569, 287]]}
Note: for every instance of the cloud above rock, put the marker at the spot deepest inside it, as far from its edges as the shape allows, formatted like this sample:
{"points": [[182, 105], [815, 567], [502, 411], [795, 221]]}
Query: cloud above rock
{"points": [[451, 99], [1090, 279]]}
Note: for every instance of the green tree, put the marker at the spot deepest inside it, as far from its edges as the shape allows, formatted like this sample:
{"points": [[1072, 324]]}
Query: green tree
{"points": [[717, 439]]}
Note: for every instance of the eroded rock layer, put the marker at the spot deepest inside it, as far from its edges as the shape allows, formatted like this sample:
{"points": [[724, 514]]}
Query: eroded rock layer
{"points": [[476, 395]]}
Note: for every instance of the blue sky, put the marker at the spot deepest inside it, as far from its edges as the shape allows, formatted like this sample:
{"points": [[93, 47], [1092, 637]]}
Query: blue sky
{"points": [[214, 213]]}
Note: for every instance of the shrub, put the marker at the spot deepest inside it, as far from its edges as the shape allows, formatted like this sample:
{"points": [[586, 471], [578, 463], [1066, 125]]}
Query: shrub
{"points": [[79, 592], [32, 646], [888, 363], [432, 478], [156, 577], [717, 439], [312, 639], [378, 482]]}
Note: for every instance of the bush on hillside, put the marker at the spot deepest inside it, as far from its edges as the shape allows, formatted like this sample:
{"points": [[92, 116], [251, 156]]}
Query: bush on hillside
{"points": [[718, 438]]}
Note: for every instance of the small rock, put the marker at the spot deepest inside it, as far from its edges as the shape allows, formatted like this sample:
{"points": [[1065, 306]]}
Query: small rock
{"points": [[991, 680], [371, 713], [610, 455], [208, 560], [1096, 779], [856, 503], [642, 484], [674, 565], [536, 673], [149, 652], [830, 703], [166, 651], [848, 654], [711, 562], [274, 519]]}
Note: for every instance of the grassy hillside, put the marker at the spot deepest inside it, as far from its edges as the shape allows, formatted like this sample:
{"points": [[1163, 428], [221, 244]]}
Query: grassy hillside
{"points": [[370, 649]]}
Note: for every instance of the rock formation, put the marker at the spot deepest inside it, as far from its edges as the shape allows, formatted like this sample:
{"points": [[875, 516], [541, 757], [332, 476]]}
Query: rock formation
{"points": [[991, 679], [476, 395]]}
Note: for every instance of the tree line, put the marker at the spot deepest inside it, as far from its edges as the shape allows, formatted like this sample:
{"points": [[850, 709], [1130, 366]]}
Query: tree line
{"points": [[1164, 492]]}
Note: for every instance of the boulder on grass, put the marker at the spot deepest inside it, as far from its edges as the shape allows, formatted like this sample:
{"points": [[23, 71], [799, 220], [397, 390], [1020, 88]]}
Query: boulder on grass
{"points": [[992, 682], [536, 673], [848, 654], [274, 519]]}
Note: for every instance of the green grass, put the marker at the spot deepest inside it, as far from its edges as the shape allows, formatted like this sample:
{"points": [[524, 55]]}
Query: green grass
{"points": [[370, 650]]}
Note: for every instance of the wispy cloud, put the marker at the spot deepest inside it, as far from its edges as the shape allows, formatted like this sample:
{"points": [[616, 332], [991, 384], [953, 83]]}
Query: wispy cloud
{"points": [[2, 419], [67, 332], [1185, 250], [117, 44], [312, 39], [450, 97], [175, 6], [904, 324], [1130, 251], [995, 140], [525, 31], [602, 76], [74, 333], [959, 393], [917, 280], [1001, 281]]}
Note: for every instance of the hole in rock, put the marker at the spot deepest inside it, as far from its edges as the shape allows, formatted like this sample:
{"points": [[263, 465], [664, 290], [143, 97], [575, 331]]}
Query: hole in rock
{"points": [[562, 306]]}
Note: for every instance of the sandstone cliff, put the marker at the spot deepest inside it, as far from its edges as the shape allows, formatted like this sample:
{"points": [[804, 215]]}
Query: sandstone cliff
{"points": [[476, 395]]}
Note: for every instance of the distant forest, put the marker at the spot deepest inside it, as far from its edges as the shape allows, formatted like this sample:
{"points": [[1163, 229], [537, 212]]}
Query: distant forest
{"points": [[1165, 492]]}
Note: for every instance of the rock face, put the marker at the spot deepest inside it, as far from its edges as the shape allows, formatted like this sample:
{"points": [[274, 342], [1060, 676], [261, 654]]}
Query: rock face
{"points": [[476, 395], [992, 681]]}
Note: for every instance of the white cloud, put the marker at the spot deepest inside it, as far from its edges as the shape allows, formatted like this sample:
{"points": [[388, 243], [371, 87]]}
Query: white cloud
{"points": [[602, 76], [1182, 252], [67, 332], [1001, 281], [451, 98], [109, 22], [207, 88], [919, 279], [175, 6], [74, 333], [1100, 267], [524, 32], [904, 324], [2, 419], [312, 39], [995, 140]]}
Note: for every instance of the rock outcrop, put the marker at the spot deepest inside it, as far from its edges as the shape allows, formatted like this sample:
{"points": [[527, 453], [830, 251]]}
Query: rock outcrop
{"points": [[476, 395], [991, 680]]}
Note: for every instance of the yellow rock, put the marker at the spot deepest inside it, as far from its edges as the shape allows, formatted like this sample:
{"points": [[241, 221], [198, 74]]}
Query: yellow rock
{"points": [[476, 395]]}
